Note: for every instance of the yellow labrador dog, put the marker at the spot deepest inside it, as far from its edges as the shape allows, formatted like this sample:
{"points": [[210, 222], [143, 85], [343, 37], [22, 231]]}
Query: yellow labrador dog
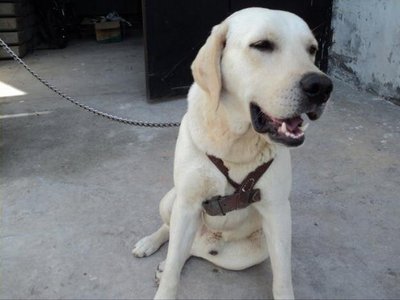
{"points": [[255, 80]]}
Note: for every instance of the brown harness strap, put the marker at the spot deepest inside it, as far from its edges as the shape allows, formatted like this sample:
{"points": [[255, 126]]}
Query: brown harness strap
{"points": [[244, 194], [224, 170]]}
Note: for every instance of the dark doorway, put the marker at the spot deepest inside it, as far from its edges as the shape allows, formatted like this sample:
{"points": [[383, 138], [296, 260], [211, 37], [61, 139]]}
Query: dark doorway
{"points": [[175, 30]]}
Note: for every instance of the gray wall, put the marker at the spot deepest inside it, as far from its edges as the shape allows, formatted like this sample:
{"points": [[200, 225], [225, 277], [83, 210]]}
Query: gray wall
{"points": [[366, 45]]}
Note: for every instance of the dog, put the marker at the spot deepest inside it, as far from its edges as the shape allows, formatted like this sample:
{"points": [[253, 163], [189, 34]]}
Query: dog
{"points": [[254, 82]]}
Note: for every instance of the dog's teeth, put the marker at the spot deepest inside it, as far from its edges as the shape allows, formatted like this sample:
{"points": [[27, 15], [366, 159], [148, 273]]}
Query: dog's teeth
{"points": [[294, 136], [305, 126], [284, 128]]}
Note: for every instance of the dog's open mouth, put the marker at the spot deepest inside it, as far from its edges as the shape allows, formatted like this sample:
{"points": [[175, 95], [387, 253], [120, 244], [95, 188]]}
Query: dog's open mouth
{"points": [[289, 131]]}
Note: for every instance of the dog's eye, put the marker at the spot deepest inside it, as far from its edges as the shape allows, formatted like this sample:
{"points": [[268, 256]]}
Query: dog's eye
{"points": [[312, 49], [264, 45]]}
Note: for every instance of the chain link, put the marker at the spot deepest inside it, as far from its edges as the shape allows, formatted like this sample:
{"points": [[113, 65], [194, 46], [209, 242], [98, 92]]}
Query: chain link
{"points": [[85, 107]]}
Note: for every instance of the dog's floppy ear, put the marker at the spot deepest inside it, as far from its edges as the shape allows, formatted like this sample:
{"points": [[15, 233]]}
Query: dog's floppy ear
{"points": [[206, 67]]}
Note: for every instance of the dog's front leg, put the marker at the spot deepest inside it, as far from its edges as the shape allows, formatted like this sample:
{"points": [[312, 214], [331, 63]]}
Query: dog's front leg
{"points": [[185, 220], [277, 227]]}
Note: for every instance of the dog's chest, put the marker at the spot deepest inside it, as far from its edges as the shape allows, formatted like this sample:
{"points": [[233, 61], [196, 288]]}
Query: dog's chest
{"points": [[239, 220], [237, 217]]}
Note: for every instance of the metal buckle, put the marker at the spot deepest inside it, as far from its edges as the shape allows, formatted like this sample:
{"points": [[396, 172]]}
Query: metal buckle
{"points": [[212, 205], [245, 187]]}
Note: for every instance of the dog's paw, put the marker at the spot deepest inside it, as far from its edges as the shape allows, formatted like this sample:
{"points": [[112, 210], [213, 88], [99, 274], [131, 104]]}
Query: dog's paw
{"points": [[145, 247], [159, 271]]}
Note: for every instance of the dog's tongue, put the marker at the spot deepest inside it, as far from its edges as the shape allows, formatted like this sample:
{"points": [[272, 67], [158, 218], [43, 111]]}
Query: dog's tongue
{"points": [[293, 123]]}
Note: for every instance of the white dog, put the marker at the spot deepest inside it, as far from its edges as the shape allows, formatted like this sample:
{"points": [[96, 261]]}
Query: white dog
{"points": [[254, 79]]}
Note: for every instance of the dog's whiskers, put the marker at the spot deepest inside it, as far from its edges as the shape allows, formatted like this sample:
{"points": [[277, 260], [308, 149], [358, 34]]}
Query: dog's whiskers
{"points": [[315, 28]]}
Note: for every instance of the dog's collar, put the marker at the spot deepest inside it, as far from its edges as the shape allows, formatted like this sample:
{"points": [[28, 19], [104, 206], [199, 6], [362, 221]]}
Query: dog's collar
{"points": [[244, 194]]}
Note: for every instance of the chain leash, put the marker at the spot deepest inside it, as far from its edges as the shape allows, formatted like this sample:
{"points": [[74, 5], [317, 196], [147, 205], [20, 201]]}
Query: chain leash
{"points": [[85, 107]]}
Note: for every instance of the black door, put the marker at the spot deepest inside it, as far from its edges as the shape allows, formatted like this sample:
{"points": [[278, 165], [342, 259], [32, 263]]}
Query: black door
{"points": [[174, 31]]}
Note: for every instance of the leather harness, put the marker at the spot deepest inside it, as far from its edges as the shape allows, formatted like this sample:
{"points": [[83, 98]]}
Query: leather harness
{"points": [[244, 193]]}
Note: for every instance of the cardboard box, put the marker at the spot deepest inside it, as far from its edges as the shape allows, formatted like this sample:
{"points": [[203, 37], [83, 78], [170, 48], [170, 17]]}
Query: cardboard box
{"points": [[108, 32]]}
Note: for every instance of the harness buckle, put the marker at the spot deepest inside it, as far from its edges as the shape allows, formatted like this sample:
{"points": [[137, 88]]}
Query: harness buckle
{"points": [[213, 206], [248, 185]]}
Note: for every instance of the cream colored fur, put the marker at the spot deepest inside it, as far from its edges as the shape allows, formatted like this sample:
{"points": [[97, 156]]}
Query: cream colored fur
{"points": [[228, 76]]}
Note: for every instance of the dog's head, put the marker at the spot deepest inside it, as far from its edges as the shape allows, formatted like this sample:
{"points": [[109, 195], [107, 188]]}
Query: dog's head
{"points": [[265, 60]]}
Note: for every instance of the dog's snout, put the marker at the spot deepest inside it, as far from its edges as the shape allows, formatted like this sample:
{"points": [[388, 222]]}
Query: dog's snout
{"points": [[317, 87]]}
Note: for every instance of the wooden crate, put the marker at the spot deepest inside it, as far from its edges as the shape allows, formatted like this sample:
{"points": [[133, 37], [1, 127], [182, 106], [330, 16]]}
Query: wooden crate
{"points": [[15, 9], [20, 50], [16, 26], [17, 37], [16, 23]]}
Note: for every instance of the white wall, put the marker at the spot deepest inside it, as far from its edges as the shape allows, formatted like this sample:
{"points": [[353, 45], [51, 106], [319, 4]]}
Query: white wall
{"points": [[366, 45]]}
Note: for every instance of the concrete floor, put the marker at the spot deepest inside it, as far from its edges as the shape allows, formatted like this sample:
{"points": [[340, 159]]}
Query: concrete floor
{"points": [[77, 191]]}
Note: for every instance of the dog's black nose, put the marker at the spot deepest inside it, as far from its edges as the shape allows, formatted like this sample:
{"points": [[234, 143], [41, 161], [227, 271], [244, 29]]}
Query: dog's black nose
{"points": [[317, 87]]}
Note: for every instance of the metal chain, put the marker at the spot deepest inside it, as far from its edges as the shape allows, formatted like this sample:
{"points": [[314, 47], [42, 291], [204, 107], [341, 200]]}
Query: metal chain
{"points": [[85, 107]]}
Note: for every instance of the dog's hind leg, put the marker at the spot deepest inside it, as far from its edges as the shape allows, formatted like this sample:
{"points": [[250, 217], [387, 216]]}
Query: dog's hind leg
{"points": [[151, 243], [166, 204]]}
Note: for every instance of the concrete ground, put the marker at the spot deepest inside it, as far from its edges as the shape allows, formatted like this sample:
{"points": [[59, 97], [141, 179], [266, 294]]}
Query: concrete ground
{"points": [[77, 191]]}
